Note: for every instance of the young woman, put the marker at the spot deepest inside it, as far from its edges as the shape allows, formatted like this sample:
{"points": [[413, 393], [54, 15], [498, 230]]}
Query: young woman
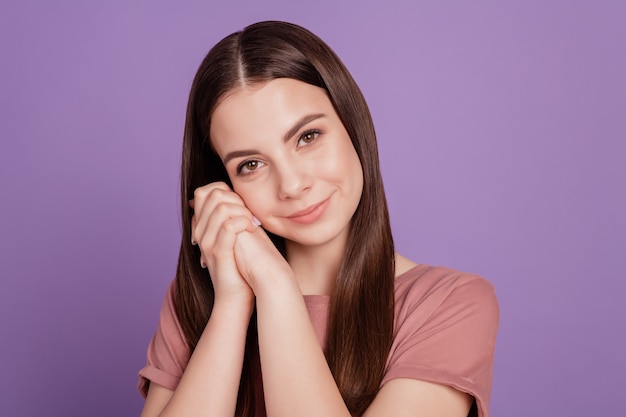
{"points": [[289, 299]]}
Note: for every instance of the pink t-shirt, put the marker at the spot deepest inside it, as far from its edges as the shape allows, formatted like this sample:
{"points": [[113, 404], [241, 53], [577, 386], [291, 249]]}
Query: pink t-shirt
{"points": [[445, 332]]}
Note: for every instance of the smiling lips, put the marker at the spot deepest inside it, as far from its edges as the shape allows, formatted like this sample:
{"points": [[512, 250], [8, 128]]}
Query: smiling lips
{"points": [[310, 214]]}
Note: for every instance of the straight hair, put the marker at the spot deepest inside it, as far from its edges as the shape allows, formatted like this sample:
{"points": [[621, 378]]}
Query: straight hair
{"points": [[361, 317]]}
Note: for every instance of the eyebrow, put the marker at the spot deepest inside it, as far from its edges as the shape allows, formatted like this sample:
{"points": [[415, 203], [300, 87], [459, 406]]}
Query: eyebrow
{"points": [[300, 123], [290, 133]]}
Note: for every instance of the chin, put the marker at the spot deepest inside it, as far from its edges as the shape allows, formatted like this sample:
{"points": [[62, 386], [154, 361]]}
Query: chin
{"points": [[318, 236]]}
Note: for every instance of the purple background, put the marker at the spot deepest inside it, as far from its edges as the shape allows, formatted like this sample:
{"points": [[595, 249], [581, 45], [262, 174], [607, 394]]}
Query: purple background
{"points": [[501, 128]]}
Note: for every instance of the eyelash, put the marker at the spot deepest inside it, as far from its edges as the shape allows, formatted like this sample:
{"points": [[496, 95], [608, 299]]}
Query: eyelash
{"points": [[242, 166], [311, 132]]}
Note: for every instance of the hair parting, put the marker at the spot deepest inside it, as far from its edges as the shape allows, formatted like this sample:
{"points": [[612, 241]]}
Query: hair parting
{"points": [[360, 328]]}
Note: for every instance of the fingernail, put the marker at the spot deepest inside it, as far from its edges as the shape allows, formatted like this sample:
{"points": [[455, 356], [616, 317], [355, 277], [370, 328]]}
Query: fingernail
{"points": [[256, 221]]}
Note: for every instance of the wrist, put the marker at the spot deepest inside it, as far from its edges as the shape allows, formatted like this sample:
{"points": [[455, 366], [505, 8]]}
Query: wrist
{"points": [[278, 285], [234, 307]]}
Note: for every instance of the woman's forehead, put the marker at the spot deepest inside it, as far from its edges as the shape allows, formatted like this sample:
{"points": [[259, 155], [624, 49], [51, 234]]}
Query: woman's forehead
{"points": [[271, 107]]}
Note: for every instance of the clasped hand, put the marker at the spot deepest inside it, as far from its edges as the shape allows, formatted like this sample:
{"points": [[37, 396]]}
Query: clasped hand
{"points": [[238, 253]]}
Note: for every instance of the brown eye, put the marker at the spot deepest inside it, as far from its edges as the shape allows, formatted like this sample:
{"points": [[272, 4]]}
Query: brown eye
{"points": [[248, 167], [251, 165], [308, 137]]}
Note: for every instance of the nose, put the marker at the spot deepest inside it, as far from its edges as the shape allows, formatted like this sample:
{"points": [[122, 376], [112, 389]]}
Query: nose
{"points": [[293, 179]]}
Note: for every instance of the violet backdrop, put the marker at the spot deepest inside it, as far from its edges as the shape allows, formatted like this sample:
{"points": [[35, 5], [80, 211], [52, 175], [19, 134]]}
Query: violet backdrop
{"points": [[501, 128]]}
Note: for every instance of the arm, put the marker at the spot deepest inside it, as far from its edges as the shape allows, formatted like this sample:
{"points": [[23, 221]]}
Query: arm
{"points": [[410, 397], [210, 383], [298, 382], [296, 378]]}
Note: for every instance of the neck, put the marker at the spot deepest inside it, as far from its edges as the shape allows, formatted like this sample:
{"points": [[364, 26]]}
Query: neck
{"points": [[316, 267]]}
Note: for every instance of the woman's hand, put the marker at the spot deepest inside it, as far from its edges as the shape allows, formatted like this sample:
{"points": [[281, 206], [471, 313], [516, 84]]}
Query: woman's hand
{"points": [[260, 263], [219, 217]]}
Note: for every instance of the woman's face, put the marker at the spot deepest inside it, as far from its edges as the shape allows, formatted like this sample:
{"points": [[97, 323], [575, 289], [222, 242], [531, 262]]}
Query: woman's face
{"points": [[290, 159]]}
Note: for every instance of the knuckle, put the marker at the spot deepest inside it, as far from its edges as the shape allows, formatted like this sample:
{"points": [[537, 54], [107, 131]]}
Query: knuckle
{"points": [[229, 225], [199, 193], [221, 209], [218, 193], [221, 185], [206, 248]]}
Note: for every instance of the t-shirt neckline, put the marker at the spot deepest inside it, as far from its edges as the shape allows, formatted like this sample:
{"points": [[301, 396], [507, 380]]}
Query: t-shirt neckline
{"points": [[312, 299]]}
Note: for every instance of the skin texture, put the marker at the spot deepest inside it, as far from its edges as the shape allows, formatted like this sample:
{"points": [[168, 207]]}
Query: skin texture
{"points": [[293, 167], [281, 176]]}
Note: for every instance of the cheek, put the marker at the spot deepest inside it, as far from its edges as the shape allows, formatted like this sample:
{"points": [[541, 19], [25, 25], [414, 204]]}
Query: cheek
{"points": [[341, 163], [350, 165], [254, 198]]}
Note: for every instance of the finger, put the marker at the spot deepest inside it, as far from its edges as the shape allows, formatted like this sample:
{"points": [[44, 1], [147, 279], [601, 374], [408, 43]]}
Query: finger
{"points": [[220, 211], [208, 224], [216, 196], [201, 194], [207, 202], [210, 199], [223, 245]]}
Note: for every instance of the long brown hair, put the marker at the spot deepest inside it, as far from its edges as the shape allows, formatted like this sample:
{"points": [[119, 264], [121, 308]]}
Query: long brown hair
{"points": [[360, 328]]}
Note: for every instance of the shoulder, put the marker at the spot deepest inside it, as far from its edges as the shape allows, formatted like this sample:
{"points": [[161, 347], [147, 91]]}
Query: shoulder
{"points": [[445, 329], [434, 287]]}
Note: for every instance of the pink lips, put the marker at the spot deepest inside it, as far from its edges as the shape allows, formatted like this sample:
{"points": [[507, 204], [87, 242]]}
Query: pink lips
{"points": [[310, 214]]}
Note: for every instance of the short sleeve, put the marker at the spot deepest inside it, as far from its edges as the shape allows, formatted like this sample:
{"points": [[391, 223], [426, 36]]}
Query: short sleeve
{"points": [[168, 353], [446, 325]]}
